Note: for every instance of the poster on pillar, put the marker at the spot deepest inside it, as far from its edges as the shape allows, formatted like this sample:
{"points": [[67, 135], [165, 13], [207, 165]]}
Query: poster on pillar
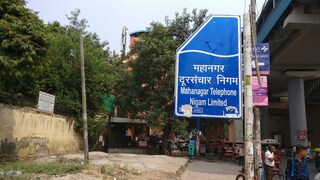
{"points": [[260, 93], [302, 134]]}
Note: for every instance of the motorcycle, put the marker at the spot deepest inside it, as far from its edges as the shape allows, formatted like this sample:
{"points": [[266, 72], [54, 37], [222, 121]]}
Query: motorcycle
{"points": [[317, 158]]}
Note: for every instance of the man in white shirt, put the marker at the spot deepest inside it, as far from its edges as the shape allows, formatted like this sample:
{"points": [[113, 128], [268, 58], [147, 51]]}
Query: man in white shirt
{"points": [[269, 162]]}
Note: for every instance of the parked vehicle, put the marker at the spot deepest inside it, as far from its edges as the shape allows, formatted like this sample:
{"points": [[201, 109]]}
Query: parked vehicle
{"points": [[210, 150], [309, 154], [228, 150], [317, 158]]}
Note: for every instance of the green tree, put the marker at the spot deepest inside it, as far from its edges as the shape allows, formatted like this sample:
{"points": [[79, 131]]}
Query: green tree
{"points": [[22, 46], [37, 57], [62, 71], [147, 91]]}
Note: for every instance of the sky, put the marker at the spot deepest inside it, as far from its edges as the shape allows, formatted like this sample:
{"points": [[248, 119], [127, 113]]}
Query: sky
{"points": [[108, 17]]}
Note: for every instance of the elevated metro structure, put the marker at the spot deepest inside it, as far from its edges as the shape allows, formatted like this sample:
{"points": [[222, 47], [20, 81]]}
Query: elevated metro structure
{"points": [[292, 28]]}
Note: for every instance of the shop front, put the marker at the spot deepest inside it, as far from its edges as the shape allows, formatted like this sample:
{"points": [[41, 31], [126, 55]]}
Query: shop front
{"points": [[127, 135]]}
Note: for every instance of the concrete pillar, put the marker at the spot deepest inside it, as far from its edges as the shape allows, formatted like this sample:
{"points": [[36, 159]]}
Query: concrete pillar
{"points": [[265, 123], [238, 130], [297, 110]]}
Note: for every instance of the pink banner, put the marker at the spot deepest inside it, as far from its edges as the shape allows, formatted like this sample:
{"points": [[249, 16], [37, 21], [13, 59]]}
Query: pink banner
{"points": [[260, 93]]}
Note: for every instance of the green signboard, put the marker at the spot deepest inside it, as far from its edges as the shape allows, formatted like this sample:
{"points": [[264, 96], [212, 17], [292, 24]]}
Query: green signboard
{"points": [[108, 103]]}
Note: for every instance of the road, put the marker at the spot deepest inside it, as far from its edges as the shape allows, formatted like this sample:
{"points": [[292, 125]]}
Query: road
{"points": [[225, 170], [216, 170]]}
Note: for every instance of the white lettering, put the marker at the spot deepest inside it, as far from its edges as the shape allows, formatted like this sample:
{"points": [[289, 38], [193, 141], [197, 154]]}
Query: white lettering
{"points": [[208, 68], [228, 80], [197, 102], [217, 102], [181, 79], [184, 80], [222, 92], [200, 92], [220, 79]]}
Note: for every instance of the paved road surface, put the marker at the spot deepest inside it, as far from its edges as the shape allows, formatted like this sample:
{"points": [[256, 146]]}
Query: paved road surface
{"points": [[225, 170], [217, 170]]}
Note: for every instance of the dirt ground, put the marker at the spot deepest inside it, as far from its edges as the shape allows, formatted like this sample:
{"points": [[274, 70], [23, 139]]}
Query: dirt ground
{"points": [[146, 167], [121, 166]]}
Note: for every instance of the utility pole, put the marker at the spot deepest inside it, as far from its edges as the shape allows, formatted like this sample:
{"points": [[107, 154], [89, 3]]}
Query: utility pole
{"points": [[124, 41], [253, 16], [248, 105], [257, 114], [84, 102]]}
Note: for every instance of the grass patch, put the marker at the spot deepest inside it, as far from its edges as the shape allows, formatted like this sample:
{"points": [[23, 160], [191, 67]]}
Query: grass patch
{"points": [[48, 168]]}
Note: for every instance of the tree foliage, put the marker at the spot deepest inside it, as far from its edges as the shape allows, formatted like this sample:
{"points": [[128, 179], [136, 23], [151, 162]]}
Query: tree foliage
{"points": [[62, 74], [22, 45], [147, 91], [45, 57]]}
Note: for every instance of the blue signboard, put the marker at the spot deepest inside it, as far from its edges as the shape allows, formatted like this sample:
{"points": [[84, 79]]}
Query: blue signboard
{"points": [[208, 71], [263, 59]]}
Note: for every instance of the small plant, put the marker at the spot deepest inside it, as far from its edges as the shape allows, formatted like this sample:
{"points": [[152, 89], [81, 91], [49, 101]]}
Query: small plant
{"points": [[49, 168]]}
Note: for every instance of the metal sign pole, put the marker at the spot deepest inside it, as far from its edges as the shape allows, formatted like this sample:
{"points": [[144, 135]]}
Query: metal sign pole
{"points": [[198, 138]]}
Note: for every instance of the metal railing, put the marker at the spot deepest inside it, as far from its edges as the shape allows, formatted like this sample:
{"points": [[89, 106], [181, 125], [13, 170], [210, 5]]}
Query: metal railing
{"points": [[265, 12], [311, 87]]}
